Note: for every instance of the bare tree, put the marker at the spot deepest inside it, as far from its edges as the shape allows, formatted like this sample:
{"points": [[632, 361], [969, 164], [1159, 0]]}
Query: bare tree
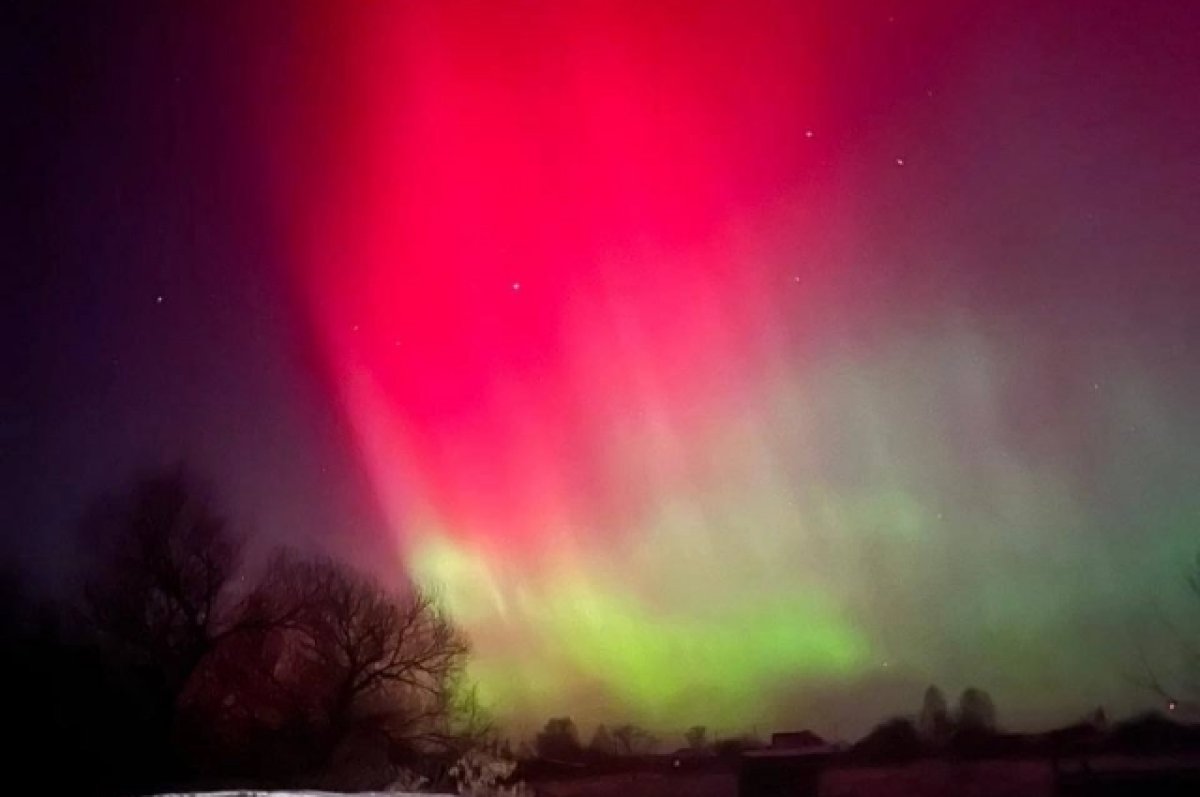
{"points": [[696, 737], [1181, 694], [162, 592], [364, 659], [275, 677]]}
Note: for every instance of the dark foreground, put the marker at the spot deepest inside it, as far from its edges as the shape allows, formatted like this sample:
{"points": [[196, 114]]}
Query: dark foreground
{"points": [[1102, 777]]}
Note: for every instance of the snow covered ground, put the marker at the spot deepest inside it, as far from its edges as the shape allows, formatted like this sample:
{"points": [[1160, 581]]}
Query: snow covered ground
{"points": [[243, 793]]}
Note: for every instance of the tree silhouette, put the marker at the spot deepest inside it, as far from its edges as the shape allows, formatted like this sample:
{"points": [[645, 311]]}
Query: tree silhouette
{"points": [[602, 743], [357, 659], [164, 594], [632, 740], [278, 676], [1181, 696], [696, 737], [175, 670], [976, 712], [160, 592], [934, 721], [558, 740]]}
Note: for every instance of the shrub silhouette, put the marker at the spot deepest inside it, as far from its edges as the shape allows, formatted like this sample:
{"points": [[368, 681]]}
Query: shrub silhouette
{"points": [[893, 740], [559, 740]]}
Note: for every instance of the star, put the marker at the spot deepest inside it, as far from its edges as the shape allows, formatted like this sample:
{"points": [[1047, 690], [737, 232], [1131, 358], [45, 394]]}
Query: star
{"points": [[516, 286], [796, 279], [808, 134], [158, 299], [899, 161]]}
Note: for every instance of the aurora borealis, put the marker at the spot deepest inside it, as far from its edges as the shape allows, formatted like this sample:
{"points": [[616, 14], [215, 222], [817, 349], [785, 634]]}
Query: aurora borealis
{"points": [[740, 364]]}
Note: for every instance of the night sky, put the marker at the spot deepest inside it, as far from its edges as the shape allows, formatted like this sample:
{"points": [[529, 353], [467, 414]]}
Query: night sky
{"points": [[748, 364]]}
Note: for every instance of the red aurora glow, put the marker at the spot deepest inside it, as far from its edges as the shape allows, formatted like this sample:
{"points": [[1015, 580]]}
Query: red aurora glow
{"points": [[541, 231]]}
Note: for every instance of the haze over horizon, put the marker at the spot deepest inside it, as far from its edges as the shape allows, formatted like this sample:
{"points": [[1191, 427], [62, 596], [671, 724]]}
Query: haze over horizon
{"points": [[747, 365]]}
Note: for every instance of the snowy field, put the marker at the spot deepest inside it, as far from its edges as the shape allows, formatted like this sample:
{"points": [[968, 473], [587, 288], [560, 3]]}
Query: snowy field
{"points": [[244, 793]]}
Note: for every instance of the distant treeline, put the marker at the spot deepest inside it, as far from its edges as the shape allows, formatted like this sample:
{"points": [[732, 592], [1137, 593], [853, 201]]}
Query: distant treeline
{"points": [[970, 730]]}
